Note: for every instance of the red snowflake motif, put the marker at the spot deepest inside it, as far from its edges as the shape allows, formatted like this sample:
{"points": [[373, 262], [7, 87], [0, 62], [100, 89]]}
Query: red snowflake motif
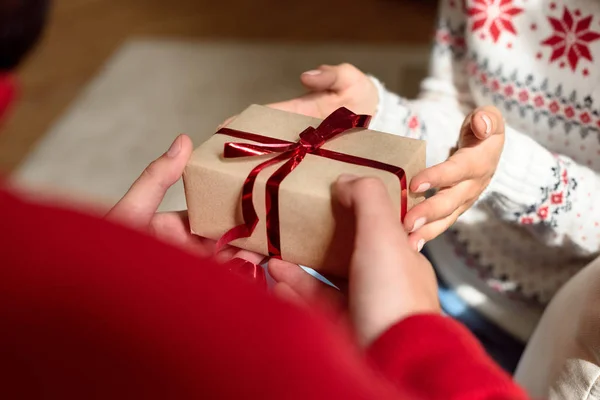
{"points": [[569, 112], [543, 212], [556, 198], [508, 91], [571, 38], [598, 123], [538, 101], [565, 177], [495, 85], [586, 72], [527, 221], [554, 107], [413, 122], [498, 13], [523, 96], [585, 118], [483, 78]]}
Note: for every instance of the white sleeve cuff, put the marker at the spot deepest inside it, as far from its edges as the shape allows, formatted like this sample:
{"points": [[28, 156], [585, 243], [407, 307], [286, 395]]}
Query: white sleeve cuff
{"points": [[525, 168], [391, 112]]}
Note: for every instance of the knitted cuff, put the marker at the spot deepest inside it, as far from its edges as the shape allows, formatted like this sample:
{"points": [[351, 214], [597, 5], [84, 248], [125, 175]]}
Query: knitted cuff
{"points": [[391, 111], [525, 166]]}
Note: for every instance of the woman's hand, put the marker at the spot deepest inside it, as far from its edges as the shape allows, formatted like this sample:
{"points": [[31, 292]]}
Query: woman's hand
{"points": [[460, 180], [138, 207], [388, 279], [331, 87]]}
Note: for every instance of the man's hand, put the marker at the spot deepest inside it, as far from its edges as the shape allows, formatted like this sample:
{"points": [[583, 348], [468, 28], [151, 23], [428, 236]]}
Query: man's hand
{"points": [[388, 279], [460, 180], [139, 205]]}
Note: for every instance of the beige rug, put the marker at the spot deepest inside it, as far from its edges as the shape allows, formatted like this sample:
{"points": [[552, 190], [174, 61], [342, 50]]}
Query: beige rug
{"points": [[151, 90]]}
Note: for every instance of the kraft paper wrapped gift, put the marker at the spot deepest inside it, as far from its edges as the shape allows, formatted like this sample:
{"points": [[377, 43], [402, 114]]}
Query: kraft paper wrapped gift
{"points": [[313, 230]]}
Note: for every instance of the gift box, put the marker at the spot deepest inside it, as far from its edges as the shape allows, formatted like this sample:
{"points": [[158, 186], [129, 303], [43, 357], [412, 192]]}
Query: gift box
{"points": [[264, 183]]}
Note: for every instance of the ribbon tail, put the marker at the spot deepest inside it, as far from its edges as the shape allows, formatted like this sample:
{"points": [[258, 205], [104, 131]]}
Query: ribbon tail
{"points": [[248, 211], [272, 203]]}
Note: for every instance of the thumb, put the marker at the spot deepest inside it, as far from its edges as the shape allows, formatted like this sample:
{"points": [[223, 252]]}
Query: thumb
{"points": [[380, 285], [483, 123], [334, 78], [141, 201]]}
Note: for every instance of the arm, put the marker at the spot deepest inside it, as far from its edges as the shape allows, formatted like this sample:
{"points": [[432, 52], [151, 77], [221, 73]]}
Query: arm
{"points": [[444, 100], [148, 320], [549, 194], [434, 357]]}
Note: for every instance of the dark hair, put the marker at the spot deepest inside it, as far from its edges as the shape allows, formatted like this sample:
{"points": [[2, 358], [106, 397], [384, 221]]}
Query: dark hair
{"points": [[21, 24]]}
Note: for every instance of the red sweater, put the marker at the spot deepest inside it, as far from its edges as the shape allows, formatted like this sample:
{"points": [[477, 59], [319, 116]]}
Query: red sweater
{"points": [[89, 309]]}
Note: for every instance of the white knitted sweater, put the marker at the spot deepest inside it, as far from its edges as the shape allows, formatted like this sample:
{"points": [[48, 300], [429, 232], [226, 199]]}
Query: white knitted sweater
{"points": [[538, 61]]}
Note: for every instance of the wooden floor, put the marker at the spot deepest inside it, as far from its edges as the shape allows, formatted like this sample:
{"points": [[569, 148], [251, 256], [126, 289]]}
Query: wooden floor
{"points": [[83, 33]]}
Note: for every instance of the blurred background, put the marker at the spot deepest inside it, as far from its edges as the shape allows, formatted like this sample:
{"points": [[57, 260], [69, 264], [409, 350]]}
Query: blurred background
{"points": [[112, 82]]}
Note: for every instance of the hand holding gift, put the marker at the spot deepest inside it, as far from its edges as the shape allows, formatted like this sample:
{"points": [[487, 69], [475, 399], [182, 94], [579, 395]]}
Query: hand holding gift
{"points": [[388, 280], [138, 207], [461, 179], [331, 87]]}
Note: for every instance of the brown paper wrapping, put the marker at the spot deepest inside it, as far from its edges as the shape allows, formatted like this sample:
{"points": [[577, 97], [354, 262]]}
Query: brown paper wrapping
{"points": [[315, 232]]}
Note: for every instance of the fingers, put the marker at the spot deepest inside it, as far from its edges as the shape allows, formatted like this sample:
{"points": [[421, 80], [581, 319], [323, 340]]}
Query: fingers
{"points": [[312, 104], [430, 231], [388, 279], [286, 293], [140, 203], [483, 123], [309, 288], [452, 171], [330, 77], [437, 207], [377, 222], [254, 258]]}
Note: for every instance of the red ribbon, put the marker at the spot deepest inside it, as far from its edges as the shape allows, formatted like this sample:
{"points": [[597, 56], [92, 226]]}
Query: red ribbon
{"points": [[311, 140]]}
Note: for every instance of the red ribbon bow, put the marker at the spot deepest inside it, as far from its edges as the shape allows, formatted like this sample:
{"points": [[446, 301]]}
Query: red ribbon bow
{"points": [[311, 140]]}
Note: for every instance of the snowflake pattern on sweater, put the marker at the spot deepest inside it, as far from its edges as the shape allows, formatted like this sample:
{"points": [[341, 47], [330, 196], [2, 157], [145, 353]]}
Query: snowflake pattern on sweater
{"points": [[555, 199], [534, 60]]}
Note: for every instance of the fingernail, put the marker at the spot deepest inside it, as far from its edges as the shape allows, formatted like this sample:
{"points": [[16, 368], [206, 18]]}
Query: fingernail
{"points": [[423, 187], [420, 245], [418, 224], [175, 148], [488, 124], [344, 178], [312, 72]]}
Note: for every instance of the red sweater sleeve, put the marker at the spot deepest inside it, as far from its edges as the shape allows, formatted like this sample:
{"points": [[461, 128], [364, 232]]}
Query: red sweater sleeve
{"points": [[89, 309], [8, 91], [435, 357]]}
